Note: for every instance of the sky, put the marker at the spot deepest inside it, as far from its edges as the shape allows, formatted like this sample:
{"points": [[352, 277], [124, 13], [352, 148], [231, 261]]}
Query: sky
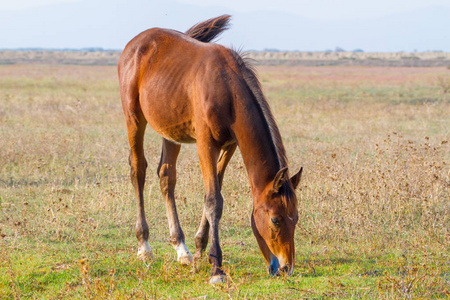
{"points": [[325, 10], [316, 25], [315, 9]]}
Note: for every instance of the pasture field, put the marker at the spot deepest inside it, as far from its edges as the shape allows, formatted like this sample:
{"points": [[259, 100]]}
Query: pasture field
{"points": [[374, 200]]}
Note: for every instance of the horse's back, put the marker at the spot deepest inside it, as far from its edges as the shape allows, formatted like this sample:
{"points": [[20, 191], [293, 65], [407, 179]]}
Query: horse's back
{"points": [[174, 79]]}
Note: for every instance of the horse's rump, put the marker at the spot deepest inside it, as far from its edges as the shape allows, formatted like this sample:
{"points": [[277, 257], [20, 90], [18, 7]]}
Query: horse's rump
{"points": [[178, 79]]}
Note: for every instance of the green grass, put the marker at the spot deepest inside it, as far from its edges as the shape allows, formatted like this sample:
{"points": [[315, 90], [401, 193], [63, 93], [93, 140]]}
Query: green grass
{"points": [[373, 203]]}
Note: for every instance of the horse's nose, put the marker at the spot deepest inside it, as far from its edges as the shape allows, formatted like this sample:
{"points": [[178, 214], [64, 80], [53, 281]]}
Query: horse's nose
{"points": [[284, 270]]}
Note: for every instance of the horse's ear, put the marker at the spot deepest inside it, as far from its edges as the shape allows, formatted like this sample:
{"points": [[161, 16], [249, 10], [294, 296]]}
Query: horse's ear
{"points": [[295, 180], [279, 179]]}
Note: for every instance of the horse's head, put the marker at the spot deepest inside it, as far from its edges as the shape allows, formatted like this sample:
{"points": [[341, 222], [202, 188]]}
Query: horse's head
{"points": [[273, 222]]}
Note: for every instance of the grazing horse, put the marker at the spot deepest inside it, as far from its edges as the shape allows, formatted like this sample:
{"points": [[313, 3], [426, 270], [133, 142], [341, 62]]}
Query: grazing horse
{"points": [[193, 91]]}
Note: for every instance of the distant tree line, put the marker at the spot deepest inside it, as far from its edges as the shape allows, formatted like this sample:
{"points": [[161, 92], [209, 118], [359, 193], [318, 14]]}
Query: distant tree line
{"points": [[337, 49], [88, 49]]}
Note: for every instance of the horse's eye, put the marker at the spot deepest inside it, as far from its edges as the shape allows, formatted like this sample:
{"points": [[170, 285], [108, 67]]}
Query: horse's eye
{"points": [[275, 221]]}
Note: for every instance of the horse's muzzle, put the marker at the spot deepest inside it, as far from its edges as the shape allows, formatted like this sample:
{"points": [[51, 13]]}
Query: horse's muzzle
{"points": [[276, 270]]}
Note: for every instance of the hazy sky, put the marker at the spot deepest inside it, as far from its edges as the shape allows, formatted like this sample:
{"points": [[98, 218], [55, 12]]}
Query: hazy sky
{"points": [[315, 9], [307, 25], [21, 4], [325, 9]]}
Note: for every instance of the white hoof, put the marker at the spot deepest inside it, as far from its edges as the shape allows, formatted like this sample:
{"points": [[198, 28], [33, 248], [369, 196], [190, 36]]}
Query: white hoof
{"points": [[184, 256], [217, 279], [145, 251], [186, 259]]}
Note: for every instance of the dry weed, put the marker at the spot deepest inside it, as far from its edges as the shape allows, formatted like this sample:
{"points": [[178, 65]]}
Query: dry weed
{"points": [[402, 187], [444, 83], [375, 151], [412, 281]]}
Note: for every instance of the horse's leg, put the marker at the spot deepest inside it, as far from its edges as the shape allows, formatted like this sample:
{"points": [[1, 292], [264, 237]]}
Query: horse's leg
{"points": [[208, 153], [167, 176], [224, 158], [201, 238], [136, 124]]}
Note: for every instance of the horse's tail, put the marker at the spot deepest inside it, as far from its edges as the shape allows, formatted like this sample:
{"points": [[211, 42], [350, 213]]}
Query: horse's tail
{"points": [[208, 30]]}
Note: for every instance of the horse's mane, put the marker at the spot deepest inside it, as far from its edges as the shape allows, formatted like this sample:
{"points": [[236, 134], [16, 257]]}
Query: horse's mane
{"points": [[248, 70]]}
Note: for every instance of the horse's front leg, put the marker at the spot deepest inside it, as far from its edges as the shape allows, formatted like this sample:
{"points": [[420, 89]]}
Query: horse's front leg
{"points": [[168, 178], [209, 154], [201, 238]]}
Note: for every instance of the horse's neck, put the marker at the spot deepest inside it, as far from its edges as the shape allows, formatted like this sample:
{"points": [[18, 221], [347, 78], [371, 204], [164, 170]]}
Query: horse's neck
{"points": [[256, 144]]}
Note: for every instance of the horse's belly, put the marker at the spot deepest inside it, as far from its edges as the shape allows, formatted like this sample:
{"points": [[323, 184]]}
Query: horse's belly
{"points": [[180, 132], [170, 116]]}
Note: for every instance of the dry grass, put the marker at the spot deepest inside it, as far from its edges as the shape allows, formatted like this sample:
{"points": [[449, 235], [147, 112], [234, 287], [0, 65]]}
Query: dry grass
{"points": [[374, 202]]}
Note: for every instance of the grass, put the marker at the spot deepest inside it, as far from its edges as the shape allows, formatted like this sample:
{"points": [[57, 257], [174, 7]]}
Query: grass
{"points": [[374, 201]]}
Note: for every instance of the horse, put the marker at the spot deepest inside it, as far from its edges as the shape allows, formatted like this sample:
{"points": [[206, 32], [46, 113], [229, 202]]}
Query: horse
{"points": [[190, 90]]}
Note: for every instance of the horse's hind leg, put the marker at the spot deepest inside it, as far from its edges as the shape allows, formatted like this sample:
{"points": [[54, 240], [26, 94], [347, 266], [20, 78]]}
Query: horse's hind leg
{"points": [[201, 237], [136, 124], [168, 178]]}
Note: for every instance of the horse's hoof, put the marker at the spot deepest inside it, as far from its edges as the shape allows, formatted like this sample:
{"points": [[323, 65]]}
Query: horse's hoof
{"points": [[197, 256], [145, 251], [217, 279], [184, 256], [186, 259]]}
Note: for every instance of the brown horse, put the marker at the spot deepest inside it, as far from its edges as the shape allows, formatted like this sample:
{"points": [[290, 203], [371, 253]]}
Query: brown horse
{"points": [[193, 91]]}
